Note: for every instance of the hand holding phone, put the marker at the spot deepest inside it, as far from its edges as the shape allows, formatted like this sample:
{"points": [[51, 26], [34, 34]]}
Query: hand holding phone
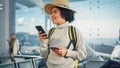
{"points": [[42, 34]]}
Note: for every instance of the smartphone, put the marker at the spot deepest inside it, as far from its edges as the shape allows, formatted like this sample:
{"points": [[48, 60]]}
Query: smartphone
{"points": [[54, 48], [39, 28]]}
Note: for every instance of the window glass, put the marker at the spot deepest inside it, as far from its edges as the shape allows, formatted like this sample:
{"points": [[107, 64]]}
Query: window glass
{"points": [[98, 20]]}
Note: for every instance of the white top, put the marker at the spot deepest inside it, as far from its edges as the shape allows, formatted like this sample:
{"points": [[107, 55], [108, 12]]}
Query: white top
{"points": [[60, 38], [116, 52], [15, 47]]}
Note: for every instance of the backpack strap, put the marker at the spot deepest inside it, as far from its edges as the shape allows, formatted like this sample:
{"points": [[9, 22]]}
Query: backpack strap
{"points": [[51, 32], [73, 39], [49, 35], [72, 36]]}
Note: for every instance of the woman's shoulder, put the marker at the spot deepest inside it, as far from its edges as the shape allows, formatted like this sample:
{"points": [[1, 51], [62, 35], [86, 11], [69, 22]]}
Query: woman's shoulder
{"points": [[78, 31], [16, 40], [76, 28]]}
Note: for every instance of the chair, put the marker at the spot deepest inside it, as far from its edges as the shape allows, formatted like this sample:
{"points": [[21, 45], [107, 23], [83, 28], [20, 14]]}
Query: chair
{"points": [[39, 63], [25, 64], [7, 65]]}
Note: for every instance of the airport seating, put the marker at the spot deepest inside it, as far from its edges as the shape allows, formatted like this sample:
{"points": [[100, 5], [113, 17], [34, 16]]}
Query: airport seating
{"points": [[39, 63], [7, 65], [29, 63], [25, 64]]}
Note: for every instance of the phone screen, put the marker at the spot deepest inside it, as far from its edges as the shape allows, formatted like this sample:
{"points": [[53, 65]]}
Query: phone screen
{"points": [[39, 28]]}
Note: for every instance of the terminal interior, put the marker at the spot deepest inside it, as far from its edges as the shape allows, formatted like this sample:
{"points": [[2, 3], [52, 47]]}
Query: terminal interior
{"points": [[98, 20]]}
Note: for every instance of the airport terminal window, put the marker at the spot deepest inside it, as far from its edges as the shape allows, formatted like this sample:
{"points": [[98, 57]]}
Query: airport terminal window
{"points": [[26, 20], [29, 15], [98, 20]]}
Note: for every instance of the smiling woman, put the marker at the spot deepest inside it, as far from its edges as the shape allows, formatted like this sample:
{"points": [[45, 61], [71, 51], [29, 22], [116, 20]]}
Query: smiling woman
{"points": [[64, 54]]}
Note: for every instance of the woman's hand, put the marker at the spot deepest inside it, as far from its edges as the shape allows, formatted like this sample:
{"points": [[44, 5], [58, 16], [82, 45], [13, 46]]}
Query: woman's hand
{"points": [[42, 36], [61, 51]]}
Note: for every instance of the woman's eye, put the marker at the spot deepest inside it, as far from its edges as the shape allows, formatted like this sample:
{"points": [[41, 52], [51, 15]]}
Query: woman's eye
{"points": [[55, 12]]}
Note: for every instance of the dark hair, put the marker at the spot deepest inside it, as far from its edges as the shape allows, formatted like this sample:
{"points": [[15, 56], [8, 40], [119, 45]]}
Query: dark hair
{"points": [[67, 14]]}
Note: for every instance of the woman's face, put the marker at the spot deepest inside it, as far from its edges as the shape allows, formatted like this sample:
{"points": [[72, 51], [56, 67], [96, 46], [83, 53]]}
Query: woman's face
{"points": [[13, 36], [56, 16]]}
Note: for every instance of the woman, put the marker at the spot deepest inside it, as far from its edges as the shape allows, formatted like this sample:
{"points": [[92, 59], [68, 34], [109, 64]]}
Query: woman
{"points": [[56, 57], [114, 61], [14, 46]]}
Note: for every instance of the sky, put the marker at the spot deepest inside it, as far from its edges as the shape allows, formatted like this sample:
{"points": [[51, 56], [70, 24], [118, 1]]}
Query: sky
{"points": [[94, 18]]}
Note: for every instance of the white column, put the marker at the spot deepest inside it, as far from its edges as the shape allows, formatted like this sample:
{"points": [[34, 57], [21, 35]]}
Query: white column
{"points": [[7, 25]]}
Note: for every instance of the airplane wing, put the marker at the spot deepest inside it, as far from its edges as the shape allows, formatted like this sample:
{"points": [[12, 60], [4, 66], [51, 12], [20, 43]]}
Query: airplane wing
{"points": [[92, 55], [103, 54]]}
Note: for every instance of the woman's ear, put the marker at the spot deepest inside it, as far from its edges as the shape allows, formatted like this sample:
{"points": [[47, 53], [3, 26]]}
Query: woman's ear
{"points": [[63, 17]]}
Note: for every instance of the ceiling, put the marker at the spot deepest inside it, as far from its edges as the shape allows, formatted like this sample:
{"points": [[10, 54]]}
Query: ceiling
{"points": [[39, 3]]}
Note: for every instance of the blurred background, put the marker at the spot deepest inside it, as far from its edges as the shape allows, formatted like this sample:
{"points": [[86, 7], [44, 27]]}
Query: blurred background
{"points": [[98, 20]]}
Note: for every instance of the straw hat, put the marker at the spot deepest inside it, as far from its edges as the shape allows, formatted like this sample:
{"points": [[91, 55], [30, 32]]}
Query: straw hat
{"points": [[59, 3]]}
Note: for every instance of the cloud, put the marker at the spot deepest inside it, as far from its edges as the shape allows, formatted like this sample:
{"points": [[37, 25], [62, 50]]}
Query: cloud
{"points": [[32, 20], [20, 20], [26, 10]]}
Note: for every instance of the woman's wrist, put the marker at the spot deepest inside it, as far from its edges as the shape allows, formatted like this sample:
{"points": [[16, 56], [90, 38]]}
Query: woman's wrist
{"points": [[66, 53]]}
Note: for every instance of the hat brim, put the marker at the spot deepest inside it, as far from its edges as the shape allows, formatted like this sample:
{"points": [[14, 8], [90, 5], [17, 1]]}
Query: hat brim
{"points": [[48, 8]]}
